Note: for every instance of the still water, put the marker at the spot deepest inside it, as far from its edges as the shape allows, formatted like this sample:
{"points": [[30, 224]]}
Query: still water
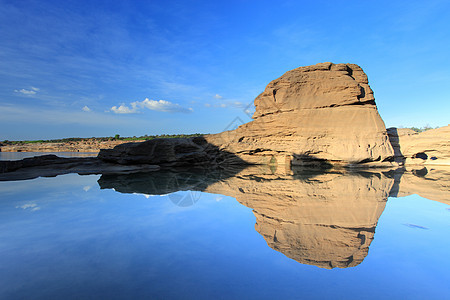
{"points": [[22, 155], [250, 235]]}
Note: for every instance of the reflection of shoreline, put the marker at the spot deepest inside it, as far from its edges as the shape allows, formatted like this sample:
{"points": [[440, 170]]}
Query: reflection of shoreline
{"points": [[22, 155], [326, 219]]}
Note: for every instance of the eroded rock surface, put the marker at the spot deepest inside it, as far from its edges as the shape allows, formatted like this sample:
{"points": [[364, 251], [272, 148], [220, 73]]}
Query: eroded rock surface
{"points": [[431, 147], [320, 113], [173, 152]]}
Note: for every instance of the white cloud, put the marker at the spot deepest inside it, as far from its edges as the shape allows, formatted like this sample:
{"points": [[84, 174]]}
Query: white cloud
{"points": [[207, 105], [29, 92], [238, 104], [160, 105], [217, 96], [235, 104], [163, 105], [85, 108], [33, 115], [123, 109]]}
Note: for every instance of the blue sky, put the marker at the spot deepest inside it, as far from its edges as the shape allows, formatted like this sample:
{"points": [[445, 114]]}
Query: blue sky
{"points": [[97, 68]]}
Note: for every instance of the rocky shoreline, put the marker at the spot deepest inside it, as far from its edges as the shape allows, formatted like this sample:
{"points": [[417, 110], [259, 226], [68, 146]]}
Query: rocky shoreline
{"points": [[87, 145], [322, 115]]}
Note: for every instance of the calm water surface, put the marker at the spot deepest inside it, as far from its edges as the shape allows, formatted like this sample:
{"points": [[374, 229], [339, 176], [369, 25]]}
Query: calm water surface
{"points": [[171, 236], [22, 155]]}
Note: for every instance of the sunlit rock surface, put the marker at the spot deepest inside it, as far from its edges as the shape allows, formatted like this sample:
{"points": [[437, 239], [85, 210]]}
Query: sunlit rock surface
{"points": [[321, 112], [431, 147]]}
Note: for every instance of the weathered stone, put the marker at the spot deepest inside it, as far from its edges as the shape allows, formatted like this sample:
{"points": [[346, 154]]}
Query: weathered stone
{"points": [[320, 113], [431, 147], [173, 152], [324, 112]]}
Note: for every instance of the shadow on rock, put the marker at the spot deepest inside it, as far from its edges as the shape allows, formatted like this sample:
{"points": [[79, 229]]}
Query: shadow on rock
{"points": [[153, 155]]}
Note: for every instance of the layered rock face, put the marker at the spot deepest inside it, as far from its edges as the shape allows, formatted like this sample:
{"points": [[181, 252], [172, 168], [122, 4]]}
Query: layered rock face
{"points": [[324, 112], [321, 112], [431, 147]]}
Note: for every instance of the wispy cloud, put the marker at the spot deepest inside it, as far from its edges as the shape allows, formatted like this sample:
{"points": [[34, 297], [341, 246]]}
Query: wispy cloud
{"points": [[222, 102], [31, 91], [29, 206], [156, 105], [225, 104]]}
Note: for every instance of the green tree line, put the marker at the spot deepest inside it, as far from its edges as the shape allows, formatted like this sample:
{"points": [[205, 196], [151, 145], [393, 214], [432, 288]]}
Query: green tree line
{"points": [[117, 137]]}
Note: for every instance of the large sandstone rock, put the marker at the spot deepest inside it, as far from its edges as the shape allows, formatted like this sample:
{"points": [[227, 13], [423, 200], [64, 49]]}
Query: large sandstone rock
{"points": [[431, 147], [324, 112], [320, 113]]}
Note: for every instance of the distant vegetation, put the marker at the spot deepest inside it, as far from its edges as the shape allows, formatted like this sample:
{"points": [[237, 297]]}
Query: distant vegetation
{"points": [[420, 129], [117, 137]]}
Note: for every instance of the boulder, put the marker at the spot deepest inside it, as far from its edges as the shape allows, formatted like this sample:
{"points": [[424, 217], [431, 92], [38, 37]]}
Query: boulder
{"points": [[170, 152]]}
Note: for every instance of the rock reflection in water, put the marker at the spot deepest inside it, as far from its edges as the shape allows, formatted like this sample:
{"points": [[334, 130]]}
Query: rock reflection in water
{"points": [[316, 217]]}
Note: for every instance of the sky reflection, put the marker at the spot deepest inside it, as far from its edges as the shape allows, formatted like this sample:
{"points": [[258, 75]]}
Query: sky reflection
{"points": [[91, 243]]}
